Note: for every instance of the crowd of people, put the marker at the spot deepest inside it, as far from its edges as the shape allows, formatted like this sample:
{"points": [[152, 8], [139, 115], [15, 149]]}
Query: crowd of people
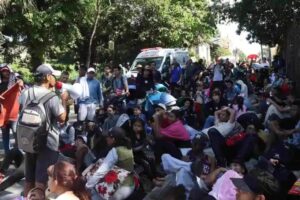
{"points": [[220, 132]]}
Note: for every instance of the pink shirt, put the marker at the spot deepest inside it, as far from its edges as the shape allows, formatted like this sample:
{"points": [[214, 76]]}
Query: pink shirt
{"points": [[224, 189], [176, 130]]}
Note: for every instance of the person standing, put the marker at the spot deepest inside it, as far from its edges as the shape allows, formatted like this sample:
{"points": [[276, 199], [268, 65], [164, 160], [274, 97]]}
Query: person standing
{"points": [[155, 73], [92, 96], [145, 83], [81, 73], [36, 164], [106, 81], [119, 82], [7, 80], [218, 75], [64, 78], [176, 76]]}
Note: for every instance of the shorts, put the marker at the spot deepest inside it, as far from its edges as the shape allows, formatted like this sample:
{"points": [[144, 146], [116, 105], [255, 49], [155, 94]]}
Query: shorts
{"points": [[87, 112], [36, 165]]}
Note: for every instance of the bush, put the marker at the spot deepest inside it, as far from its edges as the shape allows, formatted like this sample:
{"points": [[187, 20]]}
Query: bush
{"points": [[27, 75]]}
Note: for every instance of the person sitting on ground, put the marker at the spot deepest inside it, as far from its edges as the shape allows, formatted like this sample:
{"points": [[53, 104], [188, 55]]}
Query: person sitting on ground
{"points": [[66, 183], [225, 123], [231, 90], [16, 156], [111, 119], [239, 106], [142, 150], [66, 137], [212, 106], [137, 113], [187, 112], [240, 146], [257, 185], [120, 155], [186, 170], [83, 155], [282, 128], [217, 185], [173, 136]]}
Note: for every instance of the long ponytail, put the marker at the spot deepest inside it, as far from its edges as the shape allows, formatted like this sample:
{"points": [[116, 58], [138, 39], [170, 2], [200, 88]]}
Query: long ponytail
{"points": [[66, 176], [79, 189]]}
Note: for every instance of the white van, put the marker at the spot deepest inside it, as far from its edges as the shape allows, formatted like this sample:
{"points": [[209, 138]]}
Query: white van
{"points": [[162, 58]]}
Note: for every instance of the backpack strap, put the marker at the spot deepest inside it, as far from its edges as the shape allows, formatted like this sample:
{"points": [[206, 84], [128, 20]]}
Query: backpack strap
{"points": [[68, 129], [43, 100], [46, 97]]}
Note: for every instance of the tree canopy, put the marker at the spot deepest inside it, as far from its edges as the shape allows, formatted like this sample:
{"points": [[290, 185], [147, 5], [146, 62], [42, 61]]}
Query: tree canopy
{"points": [[267, 21], [60, 29]]}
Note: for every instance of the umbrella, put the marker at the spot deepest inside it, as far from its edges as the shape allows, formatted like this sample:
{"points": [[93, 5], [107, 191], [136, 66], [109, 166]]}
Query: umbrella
{"points": [[252, 56], [159, 97], [257, 66], [167, 99]]}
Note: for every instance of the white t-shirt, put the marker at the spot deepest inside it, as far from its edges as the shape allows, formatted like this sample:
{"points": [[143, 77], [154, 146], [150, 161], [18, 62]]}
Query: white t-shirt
{"points": [[69, 195], [108, 162], [223, 127], [218, 76]]}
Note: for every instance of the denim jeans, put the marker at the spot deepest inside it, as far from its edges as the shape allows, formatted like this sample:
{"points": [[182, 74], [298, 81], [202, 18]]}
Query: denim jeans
{"points": [[241, 151], [5, 135], [209, 122]]}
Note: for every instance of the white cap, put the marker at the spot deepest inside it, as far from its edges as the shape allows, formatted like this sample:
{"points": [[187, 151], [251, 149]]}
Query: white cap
{"points": [[160, 105], [45, 69], [83, 137], [91, 69], [173, 108]]}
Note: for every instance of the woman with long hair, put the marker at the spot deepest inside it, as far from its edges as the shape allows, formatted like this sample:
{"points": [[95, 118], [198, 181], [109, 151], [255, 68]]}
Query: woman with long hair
{"points": [[64, 182], [239, 106], [171, 135], [120, 155], [142, 151]]}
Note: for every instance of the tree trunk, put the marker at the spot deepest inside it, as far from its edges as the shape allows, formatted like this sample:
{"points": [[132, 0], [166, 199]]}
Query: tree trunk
{"points": [[89, 53], [37, 57]]}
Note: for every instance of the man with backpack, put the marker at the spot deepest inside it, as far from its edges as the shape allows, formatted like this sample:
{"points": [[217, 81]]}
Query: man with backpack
{"points": [[37, 127]]}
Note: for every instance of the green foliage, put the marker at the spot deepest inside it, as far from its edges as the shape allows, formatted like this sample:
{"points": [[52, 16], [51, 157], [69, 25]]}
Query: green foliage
{"points": [[217, 51], [61, 30], [25, 71], [267, 21], [43, 27], [136, 24]]}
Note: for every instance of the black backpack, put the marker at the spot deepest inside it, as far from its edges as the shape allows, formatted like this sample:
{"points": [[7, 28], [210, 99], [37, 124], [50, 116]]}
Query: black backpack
{"points": [[34, 123]]}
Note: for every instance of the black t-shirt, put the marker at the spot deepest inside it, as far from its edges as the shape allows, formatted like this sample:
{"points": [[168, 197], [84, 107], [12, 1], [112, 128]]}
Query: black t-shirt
{"points": [[212, 106], [285, 123], [3, 87]]}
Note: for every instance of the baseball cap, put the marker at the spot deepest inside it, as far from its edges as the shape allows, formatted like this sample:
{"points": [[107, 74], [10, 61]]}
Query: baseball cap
{"points": [[91, 69], [160, 105], [45, 69], [4, 68], [258, 181], [83, 137], [173, 108], [139, 66]]}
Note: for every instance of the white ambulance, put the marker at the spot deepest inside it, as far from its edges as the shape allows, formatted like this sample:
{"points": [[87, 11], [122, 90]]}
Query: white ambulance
{"points": [[162, 58]]}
